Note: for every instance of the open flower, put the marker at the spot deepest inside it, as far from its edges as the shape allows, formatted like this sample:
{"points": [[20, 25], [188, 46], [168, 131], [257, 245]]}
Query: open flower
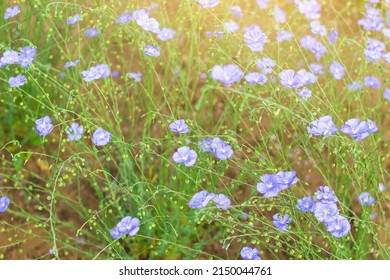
{"points": [[185, 155]]}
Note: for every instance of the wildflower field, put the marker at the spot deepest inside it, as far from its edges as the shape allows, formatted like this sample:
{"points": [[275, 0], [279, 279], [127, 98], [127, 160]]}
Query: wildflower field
{"points": [[207, 129]]}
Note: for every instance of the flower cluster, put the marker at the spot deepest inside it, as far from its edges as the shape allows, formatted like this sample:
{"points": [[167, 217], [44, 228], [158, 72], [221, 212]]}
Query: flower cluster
{"points": [[96, 72], [24, 58], [201, 199], [10, 12], [325, 210], [272, 184], [128, 225], [220, 148]]}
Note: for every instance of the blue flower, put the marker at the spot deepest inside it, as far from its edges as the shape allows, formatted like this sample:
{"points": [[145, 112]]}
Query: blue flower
{"points": [[309, 8], [200, 199], [281, 223], [318, 28], [151, 51], [325, 212], [337, 70], [323, 126], [316, 69], [17, 81], [165, 34], [254, 38], [256, 78], [75, 132], [289, 178], [10, 57], [71, 63], [306, 204], [135, 75], [248, 253], [236, 10], [263, 4], [366, 199], [96, 72], [123, 18], [284, 35], [375, 50], [222, 201], [205, 144], [148, 24], [372, 82], [315, 46], [43, 126], [386, 94], [74, 19], [279, 15], [305, 77], [26, 56], [221, 149], [115, 233], [91, 32], [231, 26], [339, 227], [128, 225], [4, 203], [101, 137], [356, 129], [266, 64], [333, 36], [373, 19], [179, 126], [10, 12], [270, 185], [304, 93], [326, 195], [228, 74], [289, 79], [207, 3], [185, 155]]}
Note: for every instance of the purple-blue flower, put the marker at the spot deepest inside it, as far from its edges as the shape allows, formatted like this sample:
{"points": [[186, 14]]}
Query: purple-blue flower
{"points": [[228, 74], [179, 126], [185, 155], [366, 199], [318, 28], [128, 225], [75, 132], [305, 77], [289, 178], [309, 8], [326, 195], [323, 126], [289, 79], [10, 57], [207, 3], [4, 203], [148, 24], [101, 137], [136, 76], [222, 201], [248, 253], [165, 34], [231, 26], [315, 46], [255, 38], [372, 82], [26, 56], [221, 149], [386, 94], [283, 35], [69, 64], [270, 185], [123, 18], [316, 69], [73, 19], [279, 14], [339, 227], [256, 78], [325, 212], [333, 36], [205, 144], [281, 222], [304, 93], [356, 129], [373, 19], [17, 81], [200, 199], [43, 126], [10, 12], [306, 204], [96, 72], [151, 51], [266, 64], [236, 10], [375, 50], [263, 4], [337, 70], [91, 32]]}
